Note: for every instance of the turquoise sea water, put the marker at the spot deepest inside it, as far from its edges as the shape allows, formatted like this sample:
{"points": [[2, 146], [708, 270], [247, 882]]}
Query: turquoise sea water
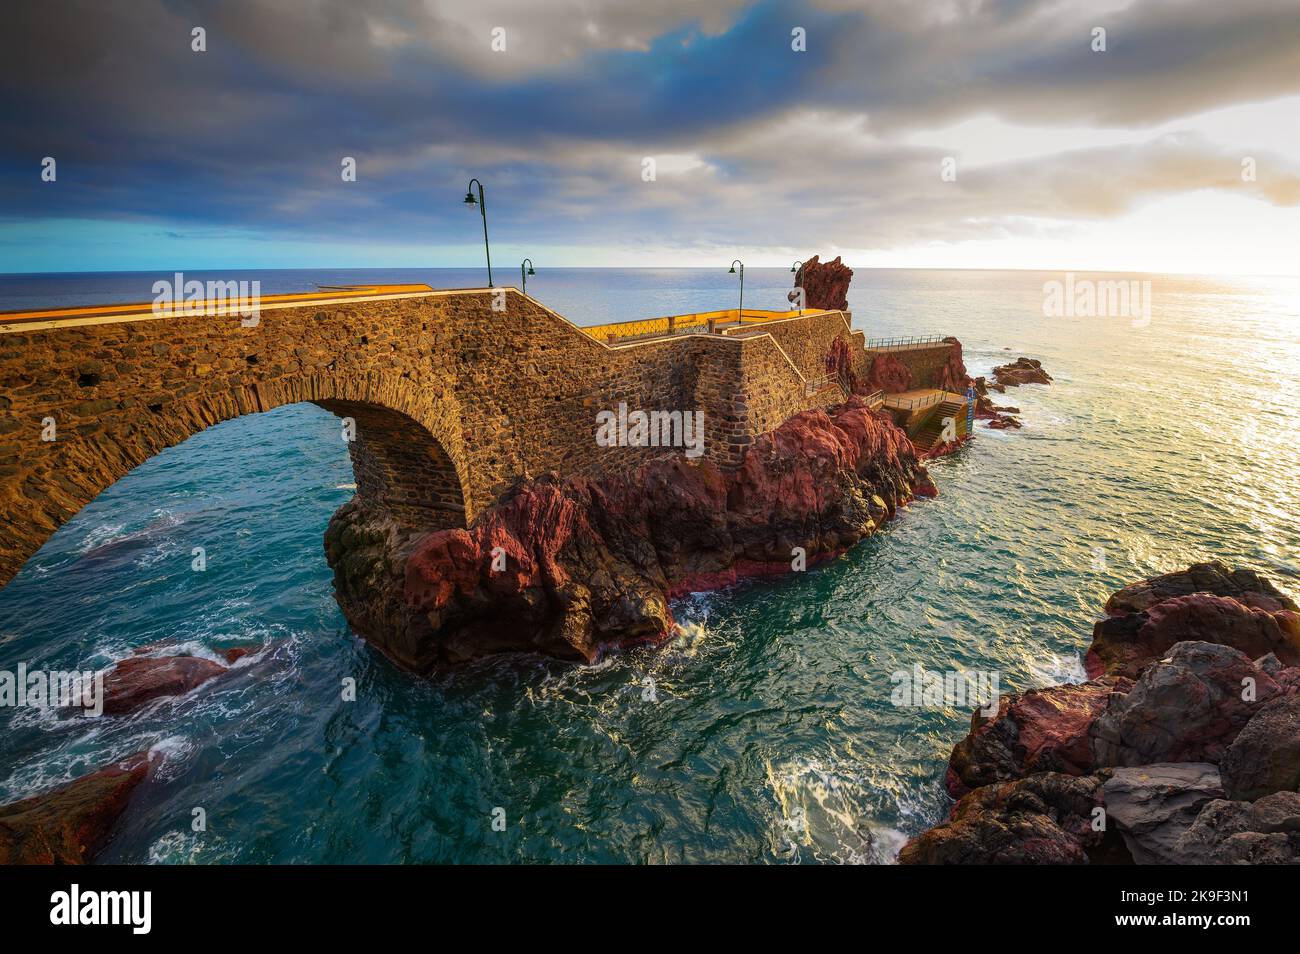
{"points": [[771, 737]]}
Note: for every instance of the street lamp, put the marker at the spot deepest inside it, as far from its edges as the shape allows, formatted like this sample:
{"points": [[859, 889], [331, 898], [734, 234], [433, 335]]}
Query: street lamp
{"points": [[797, 270], [740, 314], [523, 275], [482, 207]]}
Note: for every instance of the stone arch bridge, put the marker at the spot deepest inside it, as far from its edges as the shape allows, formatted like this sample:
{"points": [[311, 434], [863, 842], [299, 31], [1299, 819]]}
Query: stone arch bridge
{"points": [[454, 394]]}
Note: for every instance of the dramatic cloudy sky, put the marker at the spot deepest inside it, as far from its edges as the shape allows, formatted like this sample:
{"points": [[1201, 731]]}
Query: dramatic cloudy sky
{"points": [[1130, 158]]}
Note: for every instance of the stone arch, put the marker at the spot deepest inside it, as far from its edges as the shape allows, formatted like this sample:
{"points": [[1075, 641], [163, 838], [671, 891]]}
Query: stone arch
{"points": [[409, 456]]}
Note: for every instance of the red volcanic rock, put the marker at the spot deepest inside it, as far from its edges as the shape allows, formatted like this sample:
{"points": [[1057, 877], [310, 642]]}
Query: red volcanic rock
{"points": [[952, 376], [1021, 371], [1185, 708], [1045, 819], [839, 362], [584, 564], [887, 373], [986, 410], [1265, 757], [1244, 585], [944, 448], [138, 679], [1199, 701], [825, 284], [1126, 644], [67, 825], [235, 653], [1042, 730]]}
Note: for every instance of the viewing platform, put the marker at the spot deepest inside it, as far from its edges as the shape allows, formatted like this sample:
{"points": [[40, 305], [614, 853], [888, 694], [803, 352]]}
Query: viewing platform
{"points": [[730, 322]]}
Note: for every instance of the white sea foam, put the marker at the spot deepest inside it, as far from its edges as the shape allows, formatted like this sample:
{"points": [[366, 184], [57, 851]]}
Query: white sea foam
{"points": [[1056, 670], [823, 814]]}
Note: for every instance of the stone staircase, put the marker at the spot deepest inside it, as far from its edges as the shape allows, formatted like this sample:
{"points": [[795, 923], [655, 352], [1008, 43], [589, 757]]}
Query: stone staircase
{"points": [[931, 430]]}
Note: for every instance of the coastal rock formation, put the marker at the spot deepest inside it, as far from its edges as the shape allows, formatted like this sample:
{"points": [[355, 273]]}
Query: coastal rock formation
{"points": [[1265, 756], [825, 284], [1042, 730], [1042, 819], [1187, 707], [952, 376], [1263, 832], [1243, 585], [68, 825], [889, 374], [568, 567], [1187, 737], [1153, 805], [1021, 371], [999, 418], [137, 680], [1127, 643]]}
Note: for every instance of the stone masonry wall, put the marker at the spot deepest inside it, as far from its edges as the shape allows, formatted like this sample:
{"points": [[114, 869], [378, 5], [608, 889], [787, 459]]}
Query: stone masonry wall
{"points": [[452, 400], [924, 363]]}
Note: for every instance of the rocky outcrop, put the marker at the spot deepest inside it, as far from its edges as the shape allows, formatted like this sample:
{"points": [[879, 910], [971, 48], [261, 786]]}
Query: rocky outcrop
{"points": [[137, 680], [839, 364], [1187, 707], [68, 825], [570, 567], [1266, 831], [889, 374], [952, 376], [1244, 585], [1265, 756], [1042, 819], [1187, 737], [1042, 730], [1153, 805], [999, 418], [1021, 371], [825, 284], [1127, 643]]}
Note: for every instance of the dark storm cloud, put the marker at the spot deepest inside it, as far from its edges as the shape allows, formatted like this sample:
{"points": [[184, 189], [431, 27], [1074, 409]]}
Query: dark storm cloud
{"points": [[252, 131]]}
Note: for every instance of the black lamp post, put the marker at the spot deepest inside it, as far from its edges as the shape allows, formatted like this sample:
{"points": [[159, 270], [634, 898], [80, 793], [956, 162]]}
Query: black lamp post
{"points": [[740, 314], [797, 270], [523, 275], [482, 207]]}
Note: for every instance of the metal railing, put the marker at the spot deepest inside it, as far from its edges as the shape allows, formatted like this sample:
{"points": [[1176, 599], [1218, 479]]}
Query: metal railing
{"points": [[916, 403], [875, 397], [703, 322], [813, 385], [914, 341]]}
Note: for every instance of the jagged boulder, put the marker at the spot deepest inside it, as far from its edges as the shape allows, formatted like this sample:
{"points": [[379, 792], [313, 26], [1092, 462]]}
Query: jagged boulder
{"points": [[825, 284], [1265, 755], [1048, 818], [1153, 805], [1187, 707], [1266, 831], [137, 680], [1042, 730], [1128, 643], [1021, 371], [1244, 585], [68, 825]]}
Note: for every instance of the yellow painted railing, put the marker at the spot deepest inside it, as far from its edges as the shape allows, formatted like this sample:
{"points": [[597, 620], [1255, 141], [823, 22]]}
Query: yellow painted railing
{"points": [[695, 323]]}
